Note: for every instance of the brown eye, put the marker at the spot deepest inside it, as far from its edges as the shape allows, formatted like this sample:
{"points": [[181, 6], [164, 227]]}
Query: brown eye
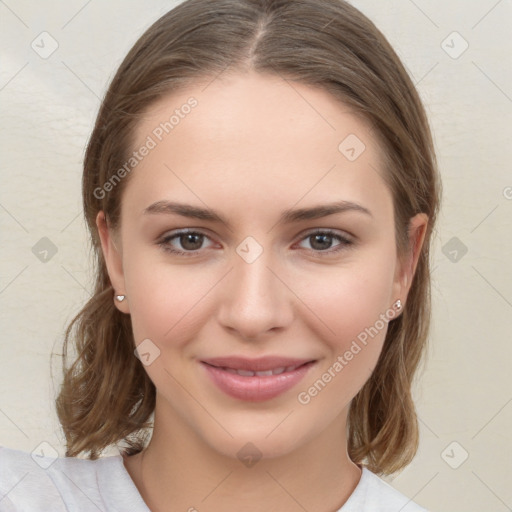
{"points": [[186, 243], [321, 241], [191, 241]]}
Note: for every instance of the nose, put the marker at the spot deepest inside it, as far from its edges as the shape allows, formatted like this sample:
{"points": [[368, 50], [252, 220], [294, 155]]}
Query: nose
{"points": [[256, 300]]}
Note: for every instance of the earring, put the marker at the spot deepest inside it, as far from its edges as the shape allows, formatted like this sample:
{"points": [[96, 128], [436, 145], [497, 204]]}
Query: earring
{"points": [[120, 298], [398, 305]]}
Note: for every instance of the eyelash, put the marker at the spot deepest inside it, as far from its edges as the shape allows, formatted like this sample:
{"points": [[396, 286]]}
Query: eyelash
{"points": [[344, 242]]}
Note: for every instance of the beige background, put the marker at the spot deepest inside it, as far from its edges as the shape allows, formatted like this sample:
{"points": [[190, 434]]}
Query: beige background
{"points": [[48, 107]]}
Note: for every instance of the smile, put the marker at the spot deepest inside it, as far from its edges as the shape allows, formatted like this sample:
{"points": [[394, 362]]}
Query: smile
{"points": [[256, 385], [264, 373]]}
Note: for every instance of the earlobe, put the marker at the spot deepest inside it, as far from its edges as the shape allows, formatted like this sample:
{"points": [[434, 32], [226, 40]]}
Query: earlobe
{"points": [[113, 260]]}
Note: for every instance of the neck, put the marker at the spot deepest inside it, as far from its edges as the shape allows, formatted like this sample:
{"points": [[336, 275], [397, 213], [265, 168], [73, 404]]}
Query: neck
{"points": [[178, 471]]}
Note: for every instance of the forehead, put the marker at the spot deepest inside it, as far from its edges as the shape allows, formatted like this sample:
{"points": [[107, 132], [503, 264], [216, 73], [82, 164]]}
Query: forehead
{"points": [[258, 139]]}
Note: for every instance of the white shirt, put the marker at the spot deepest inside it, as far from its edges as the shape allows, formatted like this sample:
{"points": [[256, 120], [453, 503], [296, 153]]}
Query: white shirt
{"points": [[31, 483]]}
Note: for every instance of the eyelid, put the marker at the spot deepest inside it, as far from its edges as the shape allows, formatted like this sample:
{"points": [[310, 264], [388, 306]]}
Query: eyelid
{"points": [[310, 231], [176, 233], [346, 240], [331, 231]]}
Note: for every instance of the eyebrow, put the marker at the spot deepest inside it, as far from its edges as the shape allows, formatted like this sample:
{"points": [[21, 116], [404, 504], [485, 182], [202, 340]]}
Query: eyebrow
{"points": [[288, 216]]}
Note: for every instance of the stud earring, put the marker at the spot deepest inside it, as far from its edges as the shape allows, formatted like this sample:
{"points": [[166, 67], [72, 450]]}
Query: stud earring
{"points": [[398, 305], [120, 298]]}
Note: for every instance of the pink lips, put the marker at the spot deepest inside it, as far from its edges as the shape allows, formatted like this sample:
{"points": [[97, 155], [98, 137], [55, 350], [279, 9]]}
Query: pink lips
{"points": [[236, 376]]}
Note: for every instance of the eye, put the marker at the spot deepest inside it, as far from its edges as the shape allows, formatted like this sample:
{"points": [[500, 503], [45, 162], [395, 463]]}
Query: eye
{"points": [[190, 241], [321, 242]]}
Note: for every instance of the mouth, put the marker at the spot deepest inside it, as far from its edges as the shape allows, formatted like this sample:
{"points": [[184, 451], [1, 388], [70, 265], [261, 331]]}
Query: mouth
{"points": [[256, 380], [262, 373], [260, 364]]}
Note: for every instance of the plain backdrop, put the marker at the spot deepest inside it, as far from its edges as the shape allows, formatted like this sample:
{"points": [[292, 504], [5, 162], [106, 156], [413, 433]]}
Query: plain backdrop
{"points": [[459, 55]]}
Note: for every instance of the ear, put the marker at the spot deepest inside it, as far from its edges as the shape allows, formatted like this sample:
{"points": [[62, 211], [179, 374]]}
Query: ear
{"points": [[113, 260], [406, 267]]}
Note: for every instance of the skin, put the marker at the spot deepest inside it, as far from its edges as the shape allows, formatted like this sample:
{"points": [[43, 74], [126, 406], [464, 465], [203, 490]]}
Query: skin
{"points": [[254, 146]]}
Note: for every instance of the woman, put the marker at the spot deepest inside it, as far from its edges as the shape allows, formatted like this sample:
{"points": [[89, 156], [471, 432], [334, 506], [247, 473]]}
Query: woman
{"points": [[261, 190]]}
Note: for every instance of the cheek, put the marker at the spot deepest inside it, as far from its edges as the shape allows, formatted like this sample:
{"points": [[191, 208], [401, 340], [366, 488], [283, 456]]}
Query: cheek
{"points": [[351, 297], [166, 300], [353, 310]]}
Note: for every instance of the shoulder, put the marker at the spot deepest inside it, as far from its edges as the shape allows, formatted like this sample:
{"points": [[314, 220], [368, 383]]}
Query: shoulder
{"points": [[39, 482], [373, 493]]}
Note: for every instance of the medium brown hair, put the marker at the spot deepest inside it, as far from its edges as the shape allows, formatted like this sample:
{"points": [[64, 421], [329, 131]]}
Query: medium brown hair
{"points": [[106, 397]]}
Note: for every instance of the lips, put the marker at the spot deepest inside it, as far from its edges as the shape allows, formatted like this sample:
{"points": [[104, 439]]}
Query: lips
{"points": [[256, 380], [262, 364], [249, 373]]}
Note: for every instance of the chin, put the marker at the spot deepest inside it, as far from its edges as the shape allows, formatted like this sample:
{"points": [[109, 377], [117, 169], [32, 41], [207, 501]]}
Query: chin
{"points": [[251, 445]]}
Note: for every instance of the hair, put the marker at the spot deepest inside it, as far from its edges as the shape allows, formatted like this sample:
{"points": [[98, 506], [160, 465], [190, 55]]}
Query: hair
{"points": [[106, 397]]}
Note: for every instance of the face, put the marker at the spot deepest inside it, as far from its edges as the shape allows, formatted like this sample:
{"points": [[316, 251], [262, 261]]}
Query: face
{"points": [[262, 271]]}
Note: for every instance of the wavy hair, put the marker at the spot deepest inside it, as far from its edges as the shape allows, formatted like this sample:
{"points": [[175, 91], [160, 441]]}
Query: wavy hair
{"points": [[106, 397]]}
